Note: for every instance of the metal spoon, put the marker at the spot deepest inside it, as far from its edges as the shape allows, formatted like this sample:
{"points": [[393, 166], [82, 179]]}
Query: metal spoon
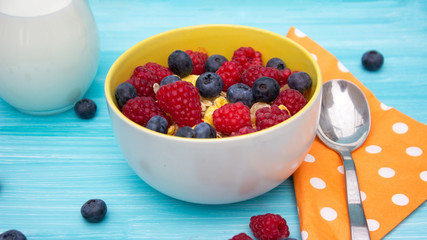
{"points": [[344, 124]]}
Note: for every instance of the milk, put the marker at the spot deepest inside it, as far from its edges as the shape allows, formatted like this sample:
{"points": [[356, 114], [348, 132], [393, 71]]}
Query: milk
{"points": [[49, 53]]}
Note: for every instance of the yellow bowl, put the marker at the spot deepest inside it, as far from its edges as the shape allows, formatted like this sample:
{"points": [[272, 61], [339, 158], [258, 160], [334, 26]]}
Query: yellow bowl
{"points": [[216, 171]]}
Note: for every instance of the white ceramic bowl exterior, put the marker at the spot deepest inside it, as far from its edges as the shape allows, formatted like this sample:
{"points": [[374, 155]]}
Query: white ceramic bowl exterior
{"points": [[216, 171]]}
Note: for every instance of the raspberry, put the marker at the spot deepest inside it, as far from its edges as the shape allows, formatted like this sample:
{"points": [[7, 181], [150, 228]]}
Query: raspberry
{"points": [[242, 63], [231, 117], [182, 101], [158, 70], [199, 60], [141, 109], [229, 73], [283, 76], [270, 116], [245, 57], [241, 236], [291, 99], [269, 227], [143, 80], [243, 131], [256, 71]]}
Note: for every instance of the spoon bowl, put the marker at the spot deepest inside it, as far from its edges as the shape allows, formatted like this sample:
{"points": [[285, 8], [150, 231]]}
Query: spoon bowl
{"points": [[344, 125]]}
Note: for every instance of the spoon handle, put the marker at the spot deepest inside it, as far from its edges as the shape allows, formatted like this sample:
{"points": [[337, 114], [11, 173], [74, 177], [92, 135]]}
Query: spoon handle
{"points": [[358, 226]]}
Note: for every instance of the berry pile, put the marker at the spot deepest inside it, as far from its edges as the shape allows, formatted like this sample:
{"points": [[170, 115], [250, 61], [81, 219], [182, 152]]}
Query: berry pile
{"points": [[202, 96]]}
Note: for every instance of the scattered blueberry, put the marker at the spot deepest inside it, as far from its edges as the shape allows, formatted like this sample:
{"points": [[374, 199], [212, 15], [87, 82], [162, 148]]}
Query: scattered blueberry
{"points": [[265, 89], [169, 79], [12, 235], [204, 130], [240, 92], [158, 124], [85, 108], [214, 62], [180, 63], [124, 92], [299, 81], [186, 131], [209, 84], [372, 60], [276, 63], [94, 210]]}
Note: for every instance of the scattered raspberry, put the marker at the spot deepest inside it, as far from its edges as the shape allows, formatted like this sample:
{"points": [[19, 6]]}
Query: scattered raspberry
{"points": [[246, 57], [291, 99], [158, 70], [199, 60], [243, 131], [256, 71], [241, 236], [182, 101], [229, 73], [283, 76], [141, 109], [269, 227], [270, 116], [231, 117], [143, 80]]}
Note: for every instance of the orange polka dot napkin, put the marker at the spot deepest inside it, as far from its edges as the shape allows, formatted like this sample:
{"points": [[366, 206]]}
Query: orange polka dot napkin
{"points": [[391, 166]]}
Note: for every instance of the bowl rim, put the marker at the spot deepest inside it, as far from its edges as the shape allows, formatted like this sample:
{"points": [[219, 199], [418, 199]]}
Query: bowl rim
{"points": [[113, 107]]}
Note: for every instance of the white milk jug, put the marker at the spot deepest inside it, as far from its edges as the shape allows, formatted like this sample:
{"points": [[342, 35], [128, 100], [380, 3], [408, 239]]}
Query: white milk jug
{"points": [[49, 53]]}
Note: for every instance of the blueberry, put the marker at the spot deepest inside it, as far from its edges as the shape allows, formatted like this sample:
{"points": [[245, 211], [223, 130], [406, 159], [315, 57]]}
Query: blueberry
{"points": [[180, 63], [124, 92], [265, 89], [372, 60], [85, 108], [240, 92], [169, 79], [299, 81], [158, 124], [276, 63], [12, 235], [214, 62], [94, 210], [209, 84], [186, 131], [204, 130]]}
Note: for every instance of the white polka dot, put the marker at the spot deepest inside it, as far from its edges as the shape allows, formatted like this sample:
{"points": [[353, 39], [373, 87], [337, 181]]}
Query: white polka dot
{"points": [[362, 196], [400, 128], [299, 33], [328, 214], [304, 235], [373, 225], [414, 151], [341, 169], [314, 56], [400, 199], [309, 158], [385, 107], [373, 149], [423, 176], [342, 68], [386, 172], [317, 183]]}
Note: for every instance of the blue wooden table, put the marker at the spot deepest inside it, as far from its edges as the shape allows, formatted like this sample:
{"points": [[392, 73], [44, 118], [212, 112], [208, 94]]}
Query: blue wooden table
{"points": [[49, 166]]}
